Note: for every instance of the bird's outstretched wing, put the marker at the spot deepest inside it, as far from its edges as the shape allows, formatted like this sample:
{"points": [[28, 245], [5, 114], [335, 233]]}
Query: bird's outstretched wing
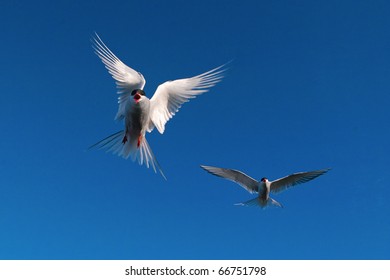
{"points": [[170, 95], [127, 79], [284, 183], [248, 183]]}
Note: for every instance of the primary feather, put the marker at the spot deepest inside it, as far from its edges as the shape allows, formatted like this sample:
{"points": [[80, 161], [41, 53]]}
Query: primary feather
{"points": [[295, 179], [248, 183], [127, 79], [170, 95]]}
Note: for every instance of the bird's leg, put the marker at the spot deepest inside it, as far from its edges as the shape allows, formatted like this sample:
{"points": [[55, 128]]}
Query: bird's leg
{"points": [[139, 140]]}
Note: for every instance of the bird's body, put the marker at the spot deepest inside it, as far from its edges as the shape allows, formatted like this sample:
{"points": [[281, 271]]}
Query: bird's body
{"points": [[263, 187], [137, 119], [263, 190], [141, 114]]}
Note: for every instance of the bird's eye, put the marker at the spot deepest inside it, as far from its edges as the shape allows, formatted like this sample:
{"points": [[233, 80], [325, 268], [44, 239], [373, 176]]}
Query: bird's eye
{"points": [[133, 92]]}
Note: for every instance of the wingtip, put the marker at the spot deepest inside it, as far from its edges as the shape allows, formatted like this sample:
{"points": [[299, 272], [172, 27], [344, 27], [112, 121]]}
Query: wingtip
{"points": [[240, 204], [226, 66], [206, 168], [325, 170], [95, 38], [163, 175]]}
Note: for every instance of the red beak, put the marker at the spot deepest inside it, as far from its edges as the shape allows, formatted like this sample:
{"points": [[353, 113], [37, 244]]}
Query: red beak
{"points": [[137, 97]]}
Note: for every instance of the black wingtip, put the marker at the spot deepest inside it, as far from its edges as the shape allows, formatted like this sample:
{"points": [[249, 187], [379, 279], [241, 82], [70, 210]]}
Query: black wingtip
{"points": [[325, 170]]}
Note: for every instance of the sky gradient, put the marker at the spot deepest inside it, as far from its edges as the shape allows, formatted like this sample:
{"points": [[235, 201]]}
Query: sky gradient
{"points": [[308, 88]]}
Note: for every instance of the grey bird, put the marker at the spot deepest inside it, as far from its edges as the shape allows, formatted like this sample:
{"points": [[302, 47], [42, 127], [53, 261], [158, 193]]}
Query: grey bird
{"points": [[141, 114], [263, 187]]}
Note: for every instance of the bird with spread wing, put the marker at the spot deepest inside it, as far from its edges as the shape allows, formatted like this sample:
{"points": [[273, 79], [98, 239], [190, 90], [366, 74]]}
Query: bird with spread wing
{"points": [[263, 187], [141, 114]]}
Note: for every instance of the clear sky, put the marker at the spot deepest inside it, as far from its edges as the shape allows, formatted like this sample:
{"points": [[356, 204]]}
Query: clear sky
{"points": [[308, 88]]}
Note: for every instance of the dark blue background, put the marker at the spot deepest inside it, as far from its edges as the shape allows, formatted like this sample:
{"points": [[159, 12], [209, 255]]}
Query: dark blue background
{"points": [[308, 88]]}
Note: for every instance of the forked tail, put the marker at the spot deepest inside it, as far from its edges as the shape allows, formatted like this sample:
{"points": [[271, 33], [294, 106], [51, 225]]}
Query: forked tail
{"points": [[142, 152], [260, 203]]}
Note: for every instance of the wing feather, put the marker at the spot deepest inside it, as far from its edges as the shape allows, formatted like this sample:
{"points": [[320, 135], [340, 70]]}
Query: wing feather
{"points": [[248, 183], [127, 79], [295, 179], [170, 95]]}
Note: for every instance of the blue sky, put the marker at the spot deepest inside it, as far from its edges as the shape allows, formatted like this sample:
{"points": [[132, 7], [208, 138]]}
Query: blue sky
{"points": [[308, 88]]}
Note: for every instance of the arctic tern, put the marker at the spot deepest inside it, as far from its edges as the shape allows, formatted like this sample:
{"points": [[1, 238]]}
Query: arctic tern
{"points": [[264, 186], [141, 114]]}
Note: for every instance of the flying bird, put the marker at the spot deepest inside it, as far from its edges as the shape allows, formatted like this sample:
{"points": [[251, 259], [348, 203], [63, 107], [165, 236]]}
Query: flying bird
{"points": [[263, 187], [141, 114]]}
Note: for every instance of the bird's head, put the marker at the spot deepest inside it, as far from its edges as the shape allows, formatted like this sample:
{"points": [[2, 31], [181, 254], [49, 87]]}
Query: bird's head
{"points": [[264, 180], [137, 94]]}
